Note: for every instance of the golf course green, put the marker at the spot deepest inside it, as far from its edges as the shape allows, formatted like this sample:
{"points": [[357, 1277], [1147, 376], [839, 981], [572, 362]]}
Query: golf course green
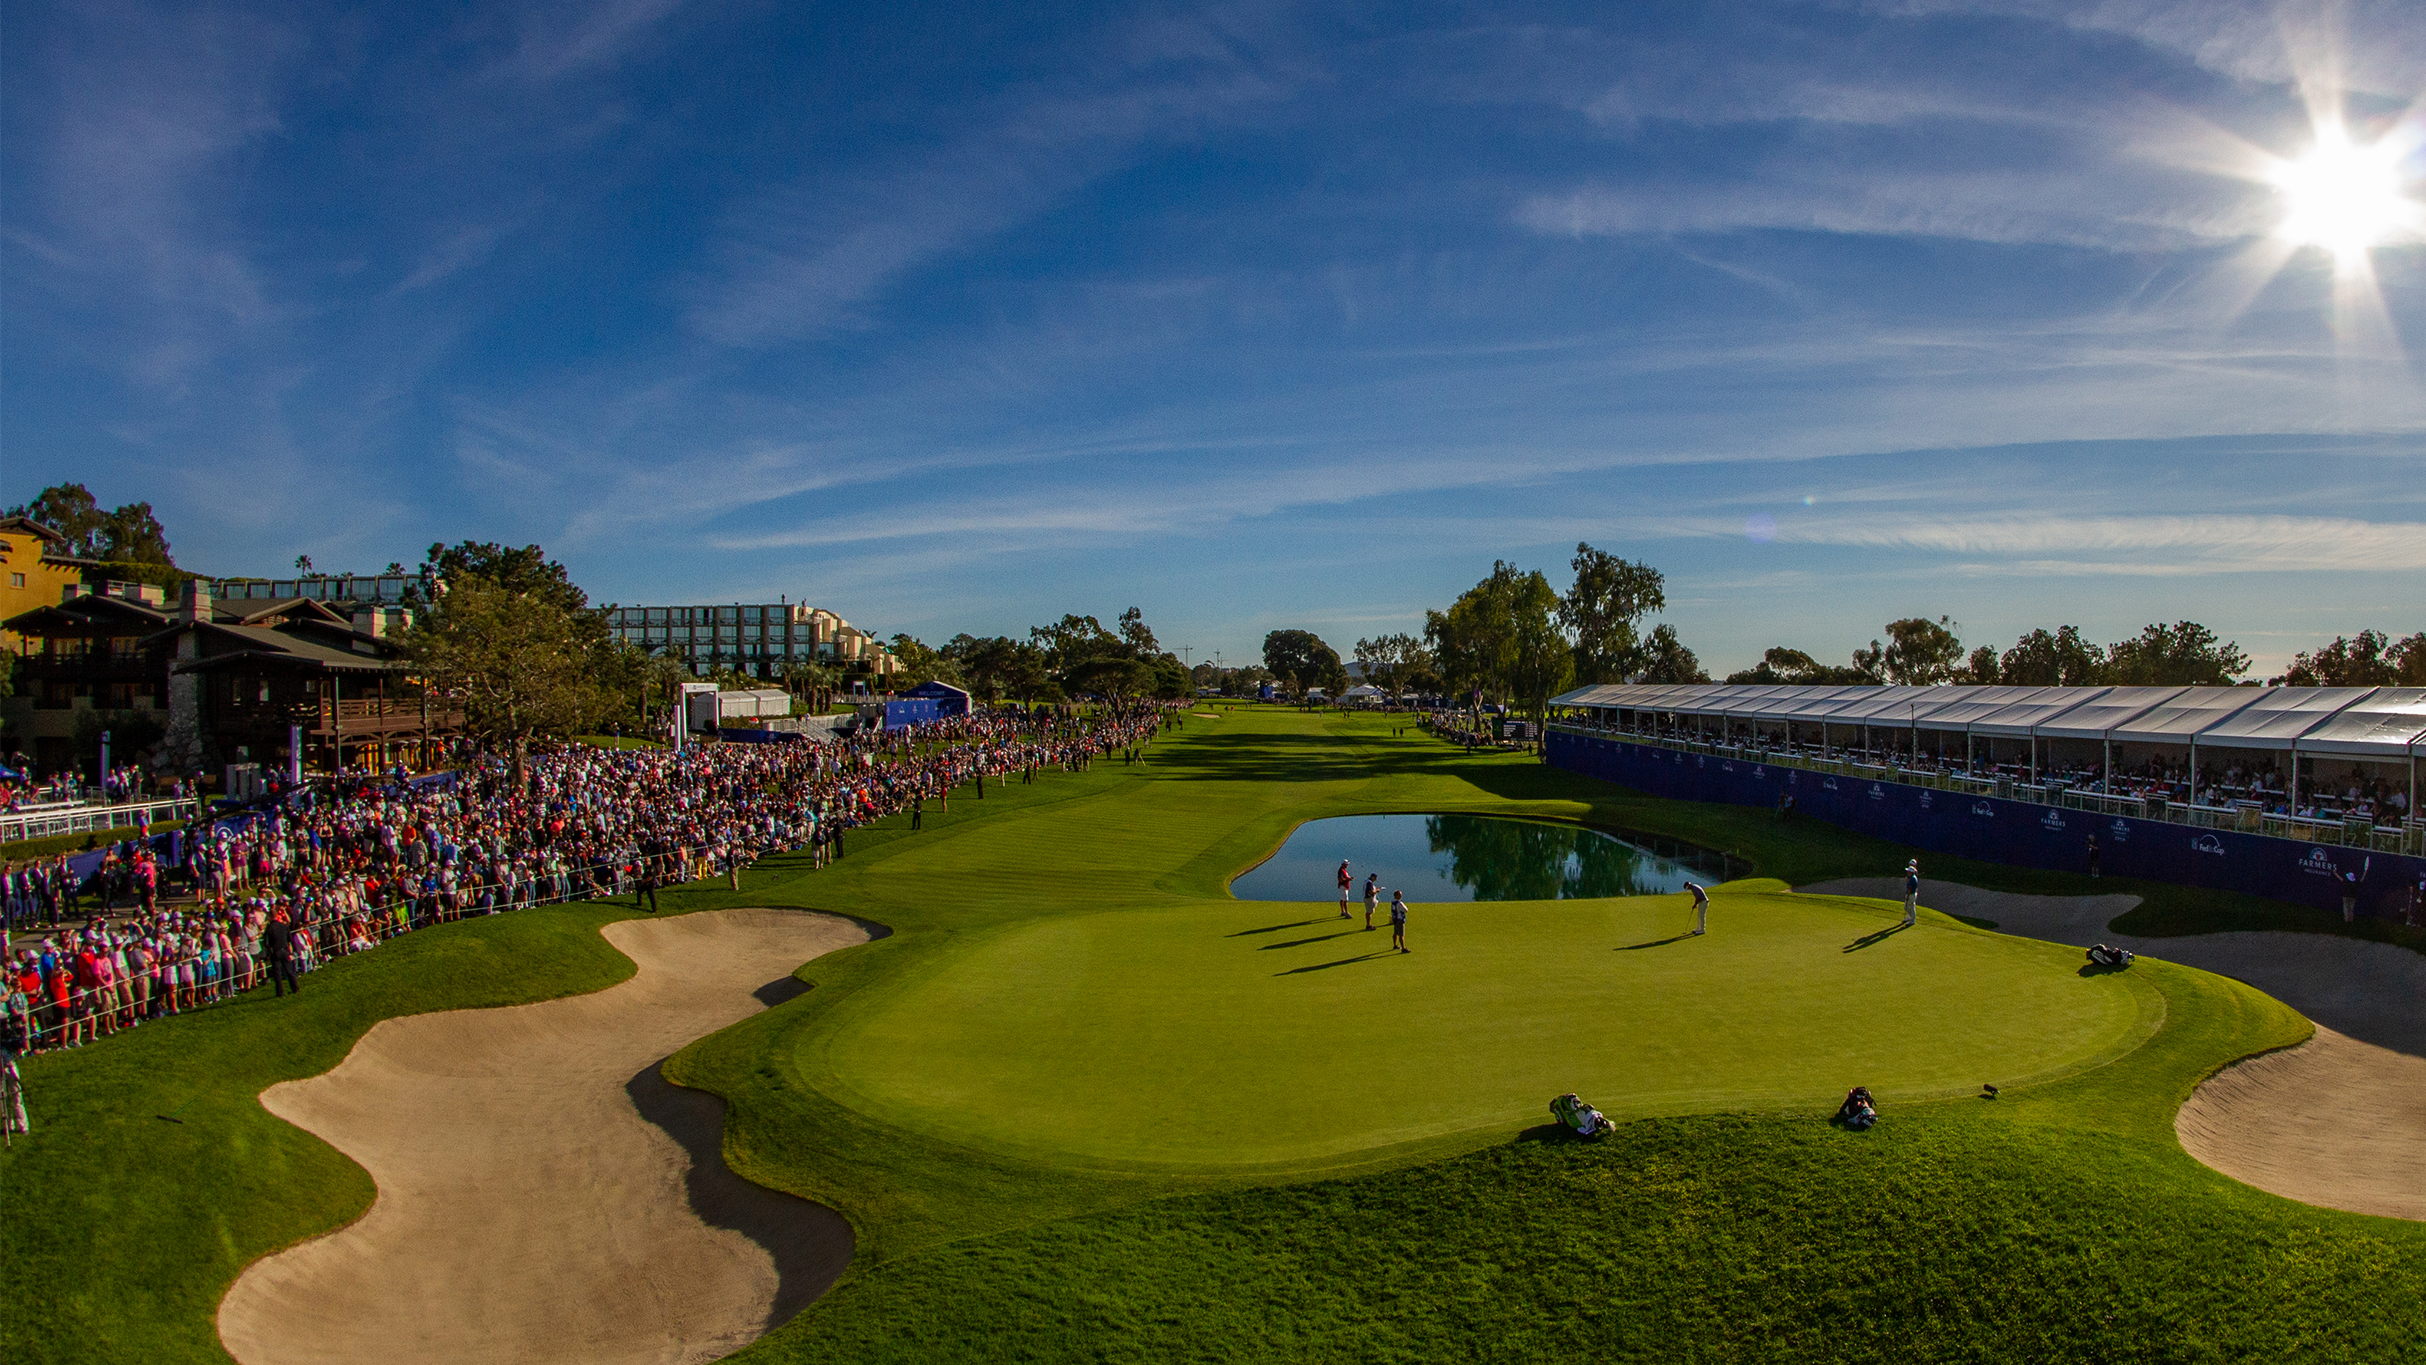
{"points": [[1081, 1104], [1215, 1035]]}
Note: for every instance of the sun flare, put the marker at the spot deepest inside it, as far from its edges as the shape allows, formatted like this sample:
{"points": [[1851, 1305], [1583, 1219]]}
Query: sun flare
{"points": [[2343, 197]]}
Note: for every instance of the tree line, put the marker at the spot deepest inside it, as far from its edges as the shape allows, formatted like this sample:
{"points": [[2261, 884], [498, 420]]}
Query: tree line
{"points": [[1075, 656]]}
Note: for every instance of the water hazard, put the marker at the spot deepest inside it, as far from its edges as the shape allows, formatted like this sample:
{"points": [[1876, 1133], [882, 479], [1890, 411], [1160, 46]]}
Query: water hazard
{"points": [[1474, 858]]}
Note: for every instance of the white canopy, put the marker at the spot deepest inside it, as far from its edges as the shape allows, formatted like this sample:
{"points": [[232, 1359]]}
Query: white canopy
{"points": [[2279, 716], [2181, 719], [2099, 717], [2390, 724]]}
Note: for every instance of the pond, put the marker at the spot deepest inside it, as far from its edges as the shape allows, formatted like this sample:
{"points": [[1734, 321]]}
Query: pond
{"points": [[1474, 858]]}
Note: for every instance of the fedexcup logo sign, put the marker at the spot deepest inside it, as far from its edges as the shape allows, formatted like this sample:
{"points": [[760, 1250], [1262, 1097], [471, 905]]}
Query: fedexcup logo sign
{"points": [[2207, 843]]}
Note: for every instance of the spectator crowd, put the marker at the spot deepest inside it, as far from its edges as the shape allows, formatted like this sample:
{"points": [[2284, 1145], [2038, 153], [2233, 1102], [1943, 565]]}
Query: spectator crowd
{"points": [[340, 867]]}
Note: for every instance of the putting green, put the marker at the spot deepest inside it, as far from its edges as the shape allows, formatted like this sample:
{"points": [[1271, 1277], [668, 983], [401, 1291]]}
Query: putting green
{"points": [[1226, 1033]]}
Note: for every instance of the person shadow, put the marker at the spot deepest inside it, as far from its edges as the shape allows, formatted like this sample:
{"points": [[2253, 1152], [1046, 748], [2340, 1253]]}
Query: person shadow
{"points": [[1342, 962], [1655, 943], [1867, 940]]}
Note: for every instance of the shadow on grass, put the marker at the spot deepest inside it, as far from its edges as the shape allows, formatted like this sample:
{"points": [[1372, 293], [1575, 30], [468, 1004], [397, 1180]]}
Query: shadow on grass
{"points": [[1274, 928], [1342, 962], [1867, 940], [1655, 943], [1302, 942]]}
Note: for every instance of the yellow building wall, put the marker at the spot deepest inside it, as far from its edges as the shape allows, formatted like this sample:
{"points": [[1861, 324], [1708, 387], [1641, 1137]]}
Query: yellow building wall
{"points": [[27, 580]]}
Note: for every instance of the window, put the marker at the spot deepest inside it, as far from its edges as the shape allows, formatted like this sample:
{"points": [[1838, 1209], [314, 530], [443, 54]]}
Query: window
{"points": [[16, 580]]}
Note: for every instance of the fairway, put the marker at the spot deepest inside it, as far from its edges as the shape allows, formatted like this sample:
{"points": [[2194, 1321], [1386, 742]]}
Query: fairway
{"points": [[1262, 1033]]}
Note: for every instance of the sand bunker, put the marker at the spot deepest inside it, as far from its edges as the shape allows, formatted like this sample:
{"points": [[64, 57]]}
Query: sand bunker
{"points": [[544, 1194], [2334, 1121], [2339, 1121]]}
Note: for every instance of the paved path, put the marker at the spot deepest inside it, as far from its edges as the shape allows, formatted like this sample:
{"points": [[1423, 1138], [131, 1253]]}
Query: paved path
{"points": [[544, 1194]]}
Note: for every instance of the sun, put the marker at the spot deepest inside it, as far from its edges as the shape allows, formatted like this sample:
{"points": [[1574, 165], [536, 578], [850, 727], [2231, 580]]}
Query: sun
{"points": [[2344, 197]]}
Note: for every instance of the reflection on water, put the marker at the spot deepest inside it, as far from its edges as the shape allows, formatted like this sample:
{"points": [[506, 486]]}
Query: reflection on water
{"points": [[1473, 858]]}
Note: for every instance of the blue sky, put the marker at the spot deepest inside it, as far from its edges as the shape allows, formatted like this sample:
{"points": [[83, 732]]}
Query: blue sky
{"points": [[1254, 316]]}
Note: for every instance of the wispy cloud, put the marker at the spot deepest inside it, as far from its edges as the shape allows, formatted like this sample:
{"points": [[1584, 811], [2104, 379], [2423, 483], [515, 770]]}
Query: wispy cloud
{"points": [[2214, 544]]}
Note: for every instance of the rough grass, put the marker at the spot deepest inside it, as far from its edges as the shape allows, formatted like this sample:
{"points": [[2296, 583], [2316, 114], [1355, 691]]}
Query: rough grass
{"points": [[2060, 1223]]}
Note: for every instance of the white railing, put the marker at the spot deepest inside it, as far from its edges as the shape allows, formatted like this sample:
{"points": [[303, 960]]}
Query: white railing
{"points": [[51, 821]]}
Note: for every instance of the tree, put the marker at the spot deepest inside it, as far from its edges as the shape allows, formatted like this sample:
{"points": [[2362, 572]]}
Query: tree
{"points": [[69, 509], [1502, 635], [1300, 658], [516, 659], [920, 663], [1919, 652], [987, 663], [1666, 660], [129, 534], [1395, 663], [1137, 635], [1600, 610], [1981, 671], [2372, 659], [2180, 655], [1784, 665], [1171, 680], [2063, 659]]}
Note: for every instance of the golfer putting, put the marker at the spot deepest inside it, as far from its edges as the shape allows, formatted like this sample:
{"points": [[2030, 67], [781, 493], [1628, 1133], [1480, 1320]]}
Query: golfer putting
{"points": [[1701, 907]]}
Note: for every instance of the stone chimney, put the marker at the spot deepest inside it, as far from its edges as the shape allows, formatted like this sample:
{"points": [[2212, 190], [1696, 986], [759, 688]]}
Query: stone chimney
{"points": [[183, 749]]}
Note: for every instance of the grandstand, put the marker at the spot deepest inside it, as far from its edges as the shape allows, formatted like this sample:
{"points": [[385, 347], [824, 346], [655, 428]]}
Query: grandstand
{"points": [[2315, 766]]}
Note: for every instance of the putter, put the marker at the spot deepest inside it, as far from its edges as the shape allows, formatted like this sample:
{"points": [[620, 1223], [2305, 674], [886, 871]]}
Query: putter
{"points": [[171, 1116]]}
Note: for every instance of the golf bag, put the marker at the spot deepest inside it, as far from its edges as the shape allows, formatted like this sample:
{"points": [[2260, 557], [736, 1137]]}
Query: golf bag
{"points": [[1858, 1110], [2103, 956], [1581, 1119]]}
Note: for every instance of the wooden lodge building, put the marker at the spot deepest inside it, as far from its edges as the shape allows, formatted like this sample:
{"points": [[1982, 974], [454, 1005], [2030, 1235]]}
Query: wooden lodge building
{"points": [[225, 682]]}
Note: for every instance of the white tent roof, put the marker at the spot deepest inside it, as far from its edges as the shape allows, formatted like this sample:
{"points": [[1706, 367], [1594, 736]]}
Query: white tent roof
{"points": [[2279, 716], [2022, 719], [1806, 703], [1362, 690], [1725, 699], [2385, 725], [2098, 718], [1896, 707], [1978, 703], [2178, 720]]}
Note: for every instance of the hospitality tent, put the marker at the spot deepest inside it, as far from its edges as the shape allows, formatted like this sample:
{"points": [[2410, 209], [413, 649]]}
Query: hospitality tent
{"points": [[2387, 727]]}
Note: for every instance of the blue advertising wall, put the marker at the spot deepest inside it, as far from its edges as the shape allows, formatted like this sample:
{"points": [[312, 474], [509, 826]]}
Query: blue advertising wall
{"points": [[2015, 832], [909, 711]]}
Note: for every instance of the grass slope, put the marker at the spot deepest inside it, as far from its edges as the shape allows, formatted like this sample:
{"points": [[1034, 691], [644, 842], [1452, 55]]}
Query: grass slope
{"points": [[2061, 1223]]}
